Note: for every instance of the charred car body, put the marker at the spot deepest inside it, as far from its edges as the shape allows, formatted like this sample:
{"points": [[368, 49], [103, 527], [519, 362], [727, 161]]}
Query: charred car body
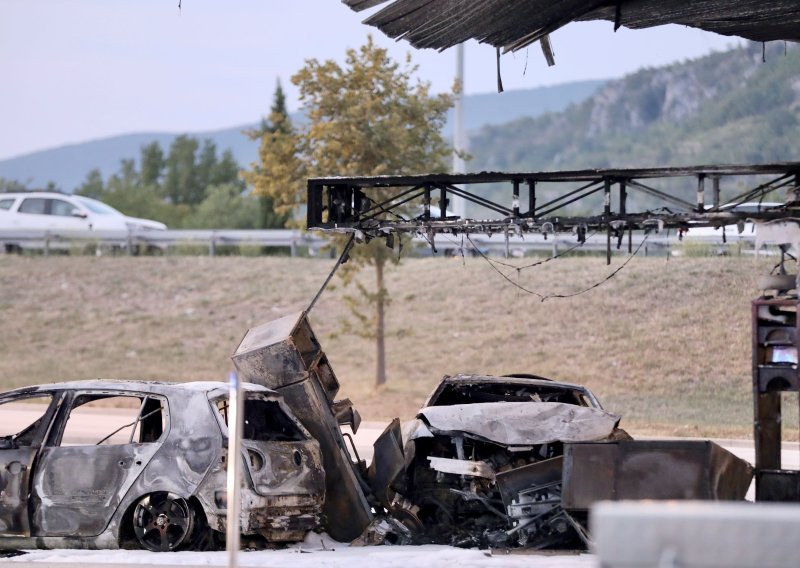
{"points": [[489, 461], [518, 461], [157, 478], [481, 464]]}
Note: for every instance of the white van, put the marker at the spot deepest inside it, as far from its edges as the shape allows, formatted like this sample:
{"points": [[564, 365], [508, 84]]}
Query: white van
{"points": [[60, 212]]}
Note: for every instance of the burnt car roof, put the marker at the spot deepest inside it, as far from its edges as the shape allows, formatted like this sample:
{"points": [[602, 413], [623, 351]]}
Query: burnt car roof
{"points": [[509, 379], [516, 379], [156, 387]]}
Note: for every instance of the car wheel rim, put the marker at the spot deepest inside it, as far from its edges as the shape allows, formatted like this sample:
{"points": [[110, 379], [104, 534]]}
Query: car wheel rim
{"points": [[162, 522]]}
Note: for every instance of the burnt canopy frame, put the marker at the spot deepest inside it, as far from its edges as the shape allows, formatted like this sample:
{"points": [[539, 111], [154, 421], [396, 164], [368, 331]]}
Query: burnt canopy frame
{"points": [[515, 24], [378, 206]]}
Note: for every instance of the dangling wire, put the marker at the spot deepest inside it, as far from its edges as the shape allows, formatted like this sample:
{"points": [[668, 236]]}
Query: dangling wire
{"points": [[342, 259], [543, 297]]}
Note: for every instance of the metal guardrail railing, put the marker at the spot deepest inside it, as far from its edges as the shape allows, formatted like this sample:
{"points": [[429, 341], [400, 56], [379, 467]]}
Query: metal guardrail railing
{"points": [[293, 240], [131, 241]]}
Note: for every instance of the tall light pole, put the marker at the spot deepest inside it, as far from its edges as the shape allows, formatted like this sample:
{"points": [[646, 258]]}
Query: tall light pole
{"points": [[459, 138]]}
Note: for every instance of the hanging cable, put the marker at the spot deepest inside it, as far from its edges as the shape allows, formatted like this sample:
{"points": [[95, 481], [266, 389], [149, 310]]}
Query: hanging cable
{"points": [[537, 263], [543, 297], [341, 261]]}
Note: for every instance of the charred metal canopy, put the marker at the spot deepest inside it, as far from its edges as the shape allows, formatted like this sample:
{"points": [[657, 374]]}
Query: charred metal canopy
{"points": [[381, 205], [514, 24]]}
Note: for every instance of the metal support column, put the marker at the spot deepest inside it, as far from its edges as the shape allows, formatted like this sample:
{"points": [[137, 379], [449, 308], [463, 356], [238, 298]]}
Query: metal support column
{"points": [[607, 215], [701, 193], [531, 199]]}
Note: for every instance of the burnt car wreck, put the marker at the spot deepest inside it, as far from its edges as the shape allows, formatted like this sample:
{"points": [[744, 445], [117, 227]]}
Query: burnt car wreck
{"points": [[156, 479], [488, 461], [480, 465], [500, 462], [518, 461]]}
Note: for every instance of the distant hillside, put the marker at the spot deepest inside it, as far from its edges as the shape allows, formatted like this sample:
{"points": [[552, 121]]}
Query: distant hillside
{"points": [[723, 108], [68, 165]]}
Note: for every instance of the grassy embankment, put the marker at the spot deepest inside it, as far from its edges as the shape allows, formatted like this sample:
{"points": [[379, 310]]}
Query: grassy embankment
{"points": [[665, 343]]}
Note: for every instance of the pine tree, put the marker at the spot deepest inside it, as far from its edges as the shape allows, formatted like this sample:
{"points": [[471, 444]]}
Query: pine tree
{"points": [[278, 166]]}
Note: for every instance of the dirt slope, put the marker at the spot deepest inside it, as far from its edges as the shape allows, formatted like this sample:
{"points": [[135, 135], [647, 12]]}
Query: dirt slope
{"points": [[665, 343]]}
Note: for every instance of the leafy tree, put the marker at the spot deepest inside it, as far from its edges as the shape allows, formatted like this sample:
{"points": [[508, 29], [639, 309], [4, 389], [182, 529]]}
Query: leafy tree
{"points": [[180, 183], [176, 189], [93, 186], [127, 172], [225, 206], [152, 164], [206, 164], [226, 171], [142, 201], [367, 117]]}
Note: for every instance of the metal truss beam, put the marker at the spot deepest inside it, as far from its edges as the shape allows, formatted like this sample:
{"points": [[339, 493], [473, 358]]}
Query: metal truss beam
{"points": [[382, 205]]}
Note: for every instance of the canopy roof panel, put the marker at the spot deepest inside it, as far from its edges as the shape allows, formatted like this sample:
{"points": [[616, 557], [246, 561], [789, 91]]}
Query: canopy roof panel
{"points": [[514, 24]]}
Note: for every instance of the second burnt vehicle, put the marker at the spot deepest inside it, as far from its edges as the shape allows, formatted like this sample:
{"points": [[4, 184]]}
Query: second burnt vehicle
{"points": [[518, 460], [152, 473], [452, 475]]}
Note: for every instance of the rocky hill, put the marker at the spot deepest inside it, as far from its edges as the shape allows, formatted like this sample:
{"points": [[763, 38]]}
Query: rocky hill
{"points": [[730, 107]]}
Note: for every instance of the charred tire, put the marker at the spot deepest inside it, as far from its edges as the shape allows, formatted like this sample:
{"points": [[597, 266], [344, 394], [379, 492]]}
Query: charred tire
{"points": [[164, 522]]}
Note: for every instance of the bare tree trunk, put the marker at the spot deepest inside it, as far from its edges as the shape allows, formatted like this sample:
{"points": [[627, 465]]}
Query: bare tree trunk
{"points": [[380, 344]]}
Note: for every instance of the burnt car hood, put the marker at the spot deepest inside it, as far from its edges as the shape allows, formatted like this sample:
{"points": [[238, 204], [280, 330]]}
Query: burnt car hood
{"points": [[520, 423]]}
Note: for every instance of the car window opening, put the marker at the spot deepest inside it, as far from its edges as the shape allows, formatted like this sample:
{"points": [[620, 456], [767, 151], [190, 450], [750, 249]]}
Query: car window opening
{"points": [[16, 434], [264, 421], [136, 419], [476, 393]]}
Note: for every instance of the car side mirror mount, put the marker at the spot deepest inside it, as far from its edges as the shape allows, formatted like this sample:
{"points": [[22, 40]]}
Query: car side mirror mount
{"points": [[79, 214]]}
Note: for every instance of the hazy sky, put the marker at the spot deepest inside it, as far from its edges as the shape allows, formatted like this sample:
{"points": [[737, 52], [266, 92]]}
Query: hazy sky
{"points": [[74, 70]]}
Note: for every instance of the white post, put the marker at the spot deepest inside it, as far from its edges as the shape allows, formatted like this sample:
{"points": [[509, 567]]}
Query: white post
{"points": [[459, 138], [235, 420]]}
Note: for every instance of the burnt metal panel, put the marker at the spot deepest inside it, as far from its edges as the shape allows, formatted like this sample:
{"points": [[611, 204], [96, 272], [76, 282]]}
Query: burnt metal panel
{"points": [[15, 470], [282, 351], [535, 475], [778, 485], [515, 24], [658, 469], [80, 487], [285, 355], [388, 462]]}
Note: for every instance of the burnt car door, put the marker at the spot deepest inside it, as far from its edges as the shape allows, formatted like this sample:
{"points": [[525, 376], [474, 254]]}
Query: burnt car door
{"points": [[101, 445], [24, 422]]}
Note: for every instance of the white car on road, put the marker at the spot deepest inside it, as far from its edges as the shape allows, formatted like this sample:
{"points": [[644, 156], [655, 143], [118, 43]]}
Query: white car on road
{"points": [[62, 213]]}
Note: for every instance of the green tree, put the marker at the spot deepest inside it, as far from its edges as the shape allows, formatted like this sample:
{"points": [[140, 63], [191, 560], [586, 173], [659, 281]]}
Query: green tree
{"points": [[93, 185], [180, 182], [206, 164], [278, 167], [226, 171], [152, 164], [225, 207], [367, 117]]}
